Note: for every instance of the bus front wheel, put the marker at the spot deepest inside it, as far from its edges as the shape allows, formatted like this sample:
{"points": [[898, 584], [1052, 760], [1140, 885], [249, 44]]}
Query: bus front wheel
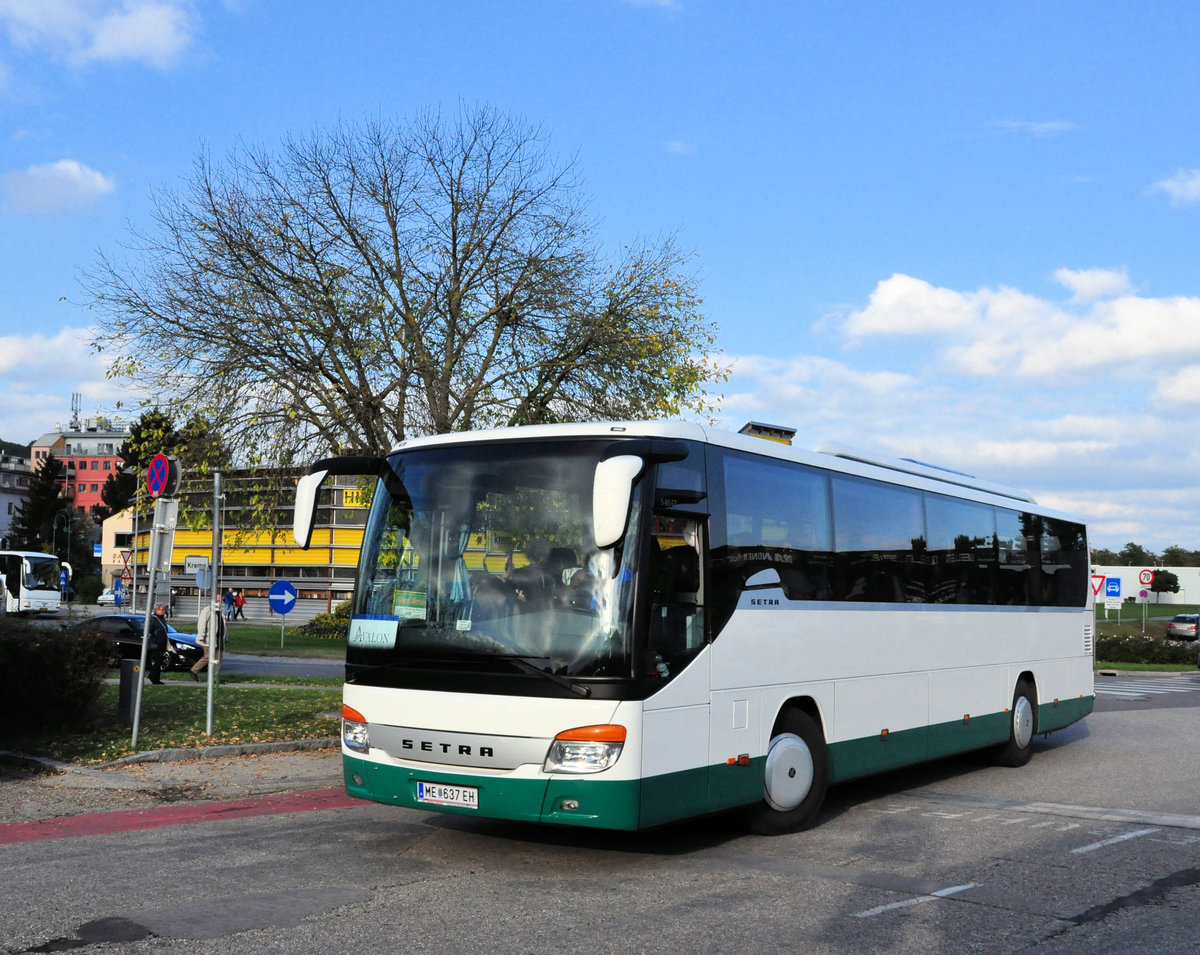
{"points": [[1022, 726], [795, 777]]}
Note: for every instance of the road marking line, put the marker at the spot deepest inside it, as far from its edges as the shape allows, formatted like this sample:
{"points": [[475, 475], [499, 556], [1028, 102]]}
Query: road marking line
{"points": [[939, 894], [1115, 839]]}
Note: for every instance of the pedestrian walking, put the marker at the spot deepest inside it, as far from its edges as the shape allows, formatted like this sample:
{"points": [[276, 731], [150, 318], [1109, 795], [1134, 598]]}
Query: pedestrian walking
{"points": [[210, 634], [228, 600], [156, 644], [239, 606]]}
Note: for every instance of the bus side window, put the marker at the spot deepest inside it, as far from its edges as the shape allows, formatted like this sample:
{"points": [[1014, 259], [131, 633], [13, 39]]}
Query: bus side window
{"points": [[880, 534], [962, 550], [767, 515]]}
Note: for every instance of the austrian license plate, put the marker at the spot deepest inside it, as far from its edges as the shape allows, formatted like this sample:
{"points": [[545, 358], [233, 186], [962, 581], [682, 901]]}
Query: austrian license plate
{"points": [[436, 794]]}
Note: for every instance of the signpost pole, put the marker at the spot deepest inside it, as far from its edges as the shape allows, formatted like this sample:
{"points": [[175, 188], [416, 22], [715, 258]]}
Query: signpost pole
{"points": [[162, 484], [137, 701], [137, 507], [282, 599], [216, 567]]}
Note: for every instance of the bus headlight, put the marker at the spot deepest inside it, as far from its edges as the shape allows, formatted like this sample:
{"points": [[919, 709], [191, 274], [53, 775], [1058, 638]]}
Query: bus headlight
{"points": [[585, 749], [354, 730]]}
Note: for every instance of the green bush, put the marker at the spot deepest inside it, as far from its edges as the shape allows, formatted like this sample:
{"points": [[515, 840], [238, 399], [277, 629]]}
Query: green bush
{"points": [[87, 589], [1134, 648], [49, 678], [327, 626]]}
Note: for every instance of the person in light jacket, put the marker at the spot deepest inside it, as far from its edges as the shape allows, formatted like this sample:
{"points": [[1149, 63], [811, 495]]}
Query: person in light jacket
{"points": [[210, 634]]}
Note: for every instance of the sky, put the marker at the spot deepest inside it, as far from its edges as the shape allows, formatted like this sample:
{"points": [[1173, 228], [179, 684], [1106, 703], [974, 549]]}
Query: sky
{"points": [[964, 233]]}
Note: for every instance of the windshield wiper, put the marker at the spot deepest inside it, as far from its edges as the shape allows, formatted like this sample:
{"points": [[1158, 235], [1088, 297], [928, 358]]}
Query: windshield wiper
{"points": [[523, 663]]}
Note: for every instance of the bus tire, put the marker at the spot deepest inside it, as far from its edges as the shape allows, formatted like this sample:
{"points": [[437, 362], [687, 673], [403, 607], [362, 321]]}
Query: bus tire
{"points": [[1022, 727], [795, 777]]}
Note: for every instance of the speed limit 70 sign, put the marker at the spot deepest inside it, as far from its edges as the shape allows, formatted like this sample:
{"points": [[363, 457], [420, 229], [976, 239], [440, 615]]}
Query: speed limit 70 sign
{"points": [[1146, 578]]}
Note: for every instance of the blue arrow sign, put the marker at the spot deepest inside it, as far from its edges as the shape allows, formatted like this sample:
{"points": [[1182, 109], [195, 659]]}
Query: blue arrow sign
{"points": [[282, 597]]}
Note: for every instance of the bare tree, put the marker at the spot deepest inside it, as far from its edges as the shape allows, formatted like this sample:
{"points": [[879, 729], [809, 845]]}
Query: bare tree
{"points": [[382, 280]]}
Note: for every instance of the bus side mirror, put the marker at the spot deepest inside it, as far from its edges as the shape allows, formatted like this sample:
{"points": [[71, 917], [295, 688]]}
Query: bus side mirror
{"points": [[306, 507], [612, 490]]}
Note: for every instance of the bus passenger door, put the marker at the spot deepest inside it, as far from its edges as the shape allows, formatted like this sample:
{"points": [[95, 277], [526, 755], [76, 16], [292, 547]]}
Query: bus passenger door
{"points": [[675, 717]]}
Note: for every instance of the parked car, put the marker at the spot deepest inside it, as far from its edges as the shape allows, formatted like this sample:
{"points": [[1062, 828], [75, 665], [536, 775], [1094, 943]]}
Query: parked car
{"points": [[1183, 626], [108, 598], [125, 632]]}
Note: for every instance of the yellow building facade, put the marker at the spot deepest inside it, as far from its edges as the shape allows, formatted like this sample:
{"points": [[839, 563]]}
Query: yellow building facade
{"points": [[251, 560]]}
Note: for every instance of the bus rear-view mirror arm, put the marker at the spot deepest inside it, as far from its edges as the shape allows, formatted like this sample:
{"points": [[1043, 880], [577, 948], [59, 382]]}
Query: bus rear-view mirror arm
{"points": [[307, 487]]}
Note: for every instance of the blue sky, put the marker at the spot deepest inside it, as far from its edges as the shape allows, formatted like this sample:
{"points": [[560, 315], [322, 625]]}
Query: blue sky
{"points": [[960, 232]]}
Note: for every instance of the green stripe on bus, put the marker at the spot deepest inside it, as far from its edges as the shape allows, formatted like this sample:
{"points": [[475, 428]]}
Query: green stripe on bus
{"points": [[854, 758], [632, 803], [1059, 713]]}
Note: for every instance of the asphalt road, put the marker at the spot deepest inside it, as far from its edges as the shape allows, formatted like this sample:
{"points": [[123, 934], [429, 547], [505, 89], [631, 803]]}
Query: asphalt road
{"points": [[1095, 846], [300, 667]]}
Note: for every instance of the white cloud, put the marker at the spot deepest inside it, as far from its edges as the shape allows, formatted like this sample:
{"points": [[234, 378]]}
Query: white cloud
{"points": [[1088, 285], [1183, 188], [1087, 402], [1160, 332], [1007, 332], [1055, 127], [1180, 388], [154, 32], [679, 147], [903, 305], [63, 186], [31, 358], [38, 371]]}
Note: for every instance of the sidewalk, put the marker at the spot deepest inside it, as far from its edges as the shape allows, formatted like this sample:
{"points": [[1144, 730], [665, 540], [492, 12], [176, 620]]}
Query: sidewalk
{"points": [[32, 789]]}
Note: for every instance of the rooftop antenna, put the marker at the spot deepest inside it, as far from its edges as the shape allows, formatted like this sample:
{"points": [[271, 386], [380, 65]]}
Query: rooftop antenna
{"points": [[76, 404]]}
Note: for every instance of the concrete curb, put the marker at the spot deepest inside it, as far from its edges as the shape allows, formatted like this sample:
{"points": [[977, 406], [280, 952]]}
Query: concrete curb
{"points": [[167, 755]]}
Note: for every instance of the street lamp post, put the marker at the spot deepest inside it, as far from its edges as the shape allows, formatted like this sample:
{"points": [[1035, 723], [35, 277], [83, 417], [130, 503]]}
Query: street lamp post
{"points": [[54, 539]]}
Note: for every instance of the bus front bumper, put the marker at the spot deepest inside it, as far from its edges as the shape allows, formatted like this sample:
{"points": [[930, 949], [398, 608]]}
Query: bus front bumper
{"points": [[584, 800]]}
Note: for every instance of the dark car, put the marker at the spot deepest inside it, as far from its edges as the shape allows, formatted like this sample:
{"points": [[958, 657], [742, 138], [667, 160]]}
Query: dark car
{"points": [[1182, 626], [125, 632]]}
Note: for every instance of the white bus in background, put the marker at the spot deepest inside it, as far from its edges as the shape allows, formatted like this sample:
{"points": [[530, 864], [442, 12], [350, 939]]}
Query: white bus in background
{"points": [[623, 625], [31, 581]]}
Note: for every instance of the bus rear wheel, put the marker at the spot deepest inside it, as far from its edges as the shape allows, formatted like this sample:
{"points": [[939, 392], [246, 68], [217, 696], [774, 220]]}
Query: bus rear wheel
{"points": [[795, 777], [1022, 727]]}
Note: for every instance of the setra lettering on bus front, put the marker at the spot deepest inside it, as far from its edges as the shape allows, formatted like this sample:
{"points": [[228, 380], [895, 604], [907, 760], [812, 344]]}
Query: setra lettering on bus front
{"points": [[429, 746]]}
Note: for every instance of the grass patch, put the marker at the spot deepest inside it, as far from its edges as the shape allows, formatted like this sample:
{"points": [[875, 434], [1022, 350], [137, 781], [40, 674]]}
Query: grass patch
{"points": [[263, 640], [246, 679], [1141, 667], [174, 717]]}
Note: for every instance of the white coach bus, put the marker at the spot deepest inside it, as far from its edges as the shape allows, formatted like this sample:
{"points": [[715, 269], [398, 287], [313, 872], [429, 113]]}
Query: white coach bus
{"points": [[622, 625], [31, 581]]}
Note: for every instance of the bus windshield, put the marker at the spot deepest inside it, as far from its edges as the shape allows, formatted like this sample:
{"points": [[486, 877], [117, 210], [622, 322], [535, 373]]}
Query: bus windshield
{"points": [[43, 573], [479, 556]]}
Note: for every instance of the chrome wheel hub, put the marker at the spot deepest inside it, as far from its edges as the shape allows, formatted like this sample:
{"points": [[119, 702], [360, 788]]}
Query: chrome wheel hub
{"points": [[789, 772]]}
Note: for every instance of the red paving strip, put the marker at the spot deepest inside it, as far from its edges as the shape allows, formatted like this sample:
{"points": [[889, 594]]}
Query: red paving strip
{"points": [[130, 820]]}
